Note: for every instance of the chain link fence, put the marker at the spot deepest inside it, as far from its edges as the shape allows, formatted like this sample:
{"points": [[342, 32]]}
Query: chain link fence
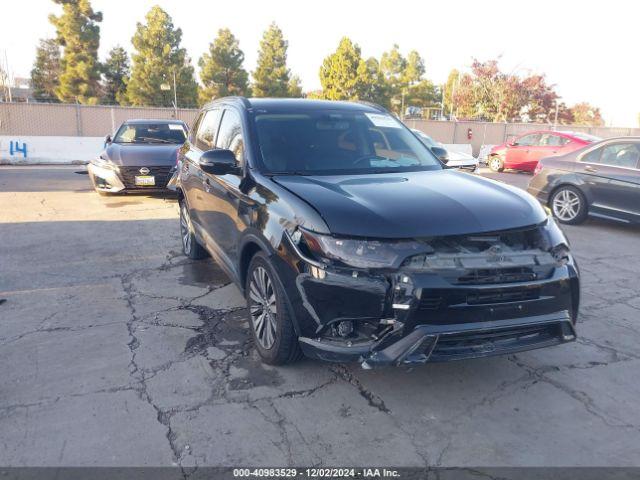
{"points": [[69, 120], [43, 119]]}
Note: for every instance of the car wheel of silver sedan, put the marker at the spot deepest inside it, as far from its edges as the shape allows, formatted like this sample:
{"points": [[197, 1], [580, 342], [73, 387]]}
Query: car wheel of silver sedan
{"points": [[568, 205]]}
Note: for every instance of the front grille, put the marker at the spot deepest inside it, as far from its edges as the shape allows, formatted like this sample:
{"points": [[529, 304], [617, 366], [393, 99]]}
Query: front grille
{"points": [[162, 174], [503, 296], [473, 344], [498, 275]]}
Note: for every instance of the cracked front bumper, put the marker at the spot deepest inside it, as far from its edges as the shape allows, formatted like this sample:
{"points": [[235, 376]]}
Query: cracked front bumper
{"points": [[437, 343], [429, 317]]}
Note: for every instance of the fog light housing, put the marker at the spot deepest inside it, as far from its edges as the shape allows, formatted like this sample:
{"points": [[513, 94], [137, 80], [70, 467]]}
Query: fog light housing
{"points": [[344, 328]]}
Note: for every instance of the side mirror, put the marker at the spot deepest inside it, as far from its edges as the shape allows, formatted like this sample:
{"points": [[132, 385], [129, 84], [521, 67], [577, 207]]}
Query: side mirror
{"points": [[441, 153], [511, 141], [218, 162], [108, 139]]}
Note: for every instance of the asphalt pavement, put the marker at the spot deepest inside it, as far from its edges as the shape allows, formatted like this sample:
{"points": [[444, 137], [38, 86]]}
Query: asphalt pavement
{"points": [[118, 350]]}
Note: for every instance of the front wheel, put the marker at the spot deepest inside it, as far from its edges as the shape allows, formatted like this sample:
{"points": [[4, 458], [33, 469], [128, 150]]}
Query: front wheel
{"points": [[569, 205], [190, 245], [496, 164], [270, 313]]}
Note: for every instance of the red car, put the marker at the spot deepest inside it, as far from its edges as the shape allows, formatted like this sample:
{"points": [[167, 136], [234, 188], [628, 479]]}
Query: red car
{"points": [[523, 152]]}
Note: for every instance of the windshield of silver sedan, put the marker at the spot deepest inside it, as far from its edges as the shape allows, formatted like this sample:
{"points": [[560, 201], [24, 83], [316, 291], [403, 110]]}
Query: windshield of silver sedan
{"points": [[147, 133], [338, 143]]}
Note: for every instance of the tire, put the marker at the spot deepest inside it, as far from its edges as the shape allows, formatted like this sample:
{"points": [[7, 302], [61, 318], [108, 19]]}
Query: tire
{"points": [[496, 164], [569, 205], [270, 314], [190, 245]]}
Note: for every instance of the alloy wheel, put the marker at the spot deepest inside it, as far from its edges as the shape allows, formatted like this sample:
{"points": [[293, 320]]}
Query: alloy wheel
{"points": [[495, 164], [263, 307], [566, 205], [185, 228]]}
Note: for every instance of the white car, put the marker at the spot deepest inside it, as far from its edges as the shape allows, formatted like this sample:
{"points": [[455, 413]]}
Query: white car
{"points": [[460, 160]]}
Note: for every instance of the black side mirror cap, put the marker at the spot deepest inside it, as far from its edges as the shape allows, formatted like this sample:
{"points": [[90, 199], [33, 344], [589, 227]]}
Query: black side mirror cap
{"points": [[108, 139], [219, 162], [441, 153]]}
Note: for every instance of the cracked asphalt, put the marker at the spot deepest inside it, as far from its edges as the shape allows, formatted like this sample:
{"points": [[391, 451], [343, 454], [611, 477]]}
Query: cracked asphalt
{"points": [[116, 350]]}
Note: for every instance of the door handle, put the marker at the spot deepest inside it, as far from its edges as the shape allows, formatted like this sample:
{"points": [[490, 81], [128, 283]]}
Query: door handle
{"points": [[591, 169]]}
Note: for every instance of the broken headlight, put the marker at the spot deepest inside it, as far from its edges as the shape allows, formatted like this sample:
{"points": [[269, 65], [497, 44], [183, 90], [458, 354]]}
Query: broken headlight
{"points": [[361, 253]]}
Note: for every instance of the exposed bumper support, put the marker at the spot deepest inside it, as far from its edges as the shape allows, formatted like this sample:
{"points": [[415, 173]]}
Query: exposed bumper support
{"points": [[430, 343]]}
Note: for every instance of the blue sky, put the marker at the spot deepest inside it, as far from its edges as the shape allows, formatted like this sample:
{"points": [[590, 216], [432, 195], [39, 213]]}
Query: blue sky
{"points": [[586, 48]]}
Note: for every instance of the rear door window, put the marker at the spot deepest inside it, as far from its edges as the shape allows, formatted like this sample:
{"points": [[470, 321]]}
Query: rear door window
{"points": [[552, 140], [624, 155]]}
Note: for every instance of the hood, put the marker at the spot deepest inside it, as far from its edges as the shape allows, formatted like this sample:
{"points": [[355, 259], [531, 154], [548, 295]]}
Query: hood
{"points": [[416, 204], [141, 155]]}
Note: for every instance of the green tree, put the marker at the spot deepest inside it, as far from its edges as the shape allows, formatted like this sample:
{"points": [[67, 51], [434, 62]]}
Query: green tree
{"points": [[45, 74], [295, 87], [271, 77], [585, 114], [116, 76], [422, 94], [345, 75], [373, 86], [449, 91], [221, 70], [159, 59], [78, 33], [341, 72], [393, 66], [414, 69]]}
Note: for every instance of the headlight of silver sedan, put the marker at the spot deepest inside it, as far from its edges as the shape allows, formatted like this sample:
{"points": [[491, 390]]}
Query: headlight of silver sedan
{"points": [[104, 163]]}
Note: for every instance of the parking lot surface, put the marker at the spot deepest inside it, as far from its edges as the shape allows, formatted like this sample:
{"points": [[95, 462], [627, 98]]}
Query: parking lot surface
{"points": [[118, 350]]}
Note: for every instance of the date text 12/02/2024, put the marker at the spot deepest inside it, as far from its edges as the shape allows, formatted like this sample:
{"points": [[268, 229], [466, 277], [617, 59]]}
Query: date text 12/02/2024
{"points": [[316, 472]]}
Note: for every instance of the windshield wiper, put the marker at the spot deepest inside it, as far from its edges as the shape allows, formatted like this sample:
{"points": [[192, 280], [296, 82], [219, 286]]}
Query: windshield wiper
{"points": [[153, 140]]}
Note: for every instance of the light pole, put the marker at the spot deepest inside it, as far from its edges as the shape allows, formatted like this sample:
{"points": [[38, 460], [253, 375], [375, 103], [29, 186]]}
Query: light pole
{"points": [[165, 87]]}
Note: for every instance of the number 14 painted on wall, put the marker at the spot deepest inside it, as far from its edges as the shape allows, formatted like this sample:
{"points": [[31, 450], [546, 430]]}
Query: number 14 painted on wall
{"points": [[15, 149]]}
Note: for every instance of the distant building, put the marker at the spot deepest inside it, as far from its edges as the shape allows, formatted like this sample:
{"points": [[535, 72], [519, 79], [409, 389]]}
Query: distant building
{"points": [[18, 91]]}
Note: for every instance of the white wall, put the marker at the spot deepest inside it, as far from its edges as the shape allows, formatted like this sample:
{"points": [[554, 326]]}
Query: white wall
{"points": [[80, 149], [48, 149]]}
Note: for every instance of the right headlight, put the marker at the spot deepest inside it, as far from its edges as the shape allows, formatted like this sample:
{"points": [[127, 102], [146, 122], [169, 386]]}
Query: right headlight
{"points": [[361, 253]]}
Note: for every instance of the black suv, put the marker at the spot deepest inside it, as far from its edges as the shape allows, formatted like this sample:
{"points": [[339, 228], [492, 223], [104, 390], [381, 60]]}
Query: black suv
{"points": [[352, 242]]}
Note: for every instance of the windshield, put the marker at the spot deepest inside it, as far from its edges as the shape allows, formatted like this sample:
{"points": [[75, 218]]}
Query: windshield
{"points": [[151, 133], [339, 142]]}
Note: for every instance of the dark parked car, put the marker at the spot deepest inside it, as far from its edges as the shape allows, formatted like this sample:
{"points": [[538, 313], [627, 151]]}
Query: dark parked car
{"points": [[141, 156], [602, 180], [350, 250]]}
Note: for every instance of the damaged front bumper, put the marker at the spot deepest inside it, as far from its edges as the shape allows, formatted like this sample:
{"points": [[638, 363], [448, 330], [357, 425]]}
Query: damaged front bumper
{"points": [[414, 315], [438, 343]]}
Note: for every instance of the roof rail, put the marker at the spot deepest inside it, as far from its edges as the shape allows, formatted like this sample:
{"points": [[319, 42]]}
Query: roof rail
{"points": [[245, 103]]}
